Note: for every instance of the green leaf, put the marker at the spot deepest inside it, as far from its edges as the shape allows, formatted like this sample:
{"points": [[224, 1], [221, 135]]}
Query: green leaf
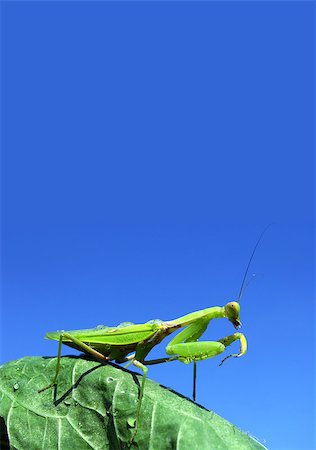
{"points": [[94, 407]]}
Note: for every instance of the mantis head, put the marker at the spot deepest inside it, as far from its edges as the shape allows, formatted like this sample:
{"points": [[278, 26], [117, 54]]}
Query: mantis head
{"points": [[232, 312]]}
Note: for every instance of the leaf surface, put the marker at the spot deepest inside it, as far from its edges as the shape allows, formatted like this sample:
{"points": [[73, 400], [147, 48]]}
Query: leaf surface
{"points": [[94, 407]]}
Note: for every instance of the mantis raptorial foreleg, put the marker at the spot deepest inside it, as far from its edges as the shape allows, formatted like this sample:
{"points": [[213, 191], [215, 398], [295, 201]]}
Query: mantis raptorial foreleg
{"points": [[197, 351], [232, 338], [185, 347]]}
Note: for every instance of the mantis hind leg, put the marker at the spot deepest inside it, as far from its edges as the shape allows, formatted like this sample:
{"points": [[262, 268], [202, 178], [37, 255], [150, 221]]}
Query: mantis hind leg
{"points": [[85, 348], [54, 382]]}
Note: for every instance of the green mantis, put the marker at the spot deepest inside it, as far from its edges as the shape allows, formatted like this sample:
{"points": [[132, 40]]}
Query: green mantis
{"points": [[131, 343]]}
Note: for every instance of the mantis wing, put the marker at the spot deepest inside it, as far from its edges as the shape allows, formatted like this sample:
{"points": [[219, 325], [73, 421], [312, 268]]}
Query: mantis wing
{"points": [[111, 335]]}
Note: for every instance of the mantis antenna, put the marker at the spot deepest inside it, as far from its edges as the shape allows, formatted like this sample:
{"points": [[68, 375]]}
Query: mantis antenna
{"points": [[243, 287], [241, 292]]}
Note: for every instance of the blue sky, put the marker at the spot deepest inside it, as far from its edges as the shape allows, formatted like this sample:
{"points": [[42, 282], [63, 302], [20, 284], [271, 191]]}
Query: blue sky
{"points": [[145, 147]]}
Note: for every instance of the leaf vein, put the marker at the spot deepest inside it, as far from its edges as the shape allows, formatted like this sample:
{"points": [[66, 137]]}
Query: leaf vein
{"points": [[80, 433], [59, 434], [152, 423]]}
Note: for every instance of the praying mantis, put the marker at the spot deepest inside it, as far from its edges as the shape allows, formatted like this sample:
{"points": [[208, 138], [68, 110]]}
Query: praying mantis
{"points": [[131, 343]]}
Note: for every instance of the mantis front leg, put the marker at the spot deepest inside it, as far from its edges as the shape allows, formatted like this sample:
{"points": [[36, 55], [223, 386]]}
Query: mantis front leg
{"points": [[185, 348], [230, 339]]}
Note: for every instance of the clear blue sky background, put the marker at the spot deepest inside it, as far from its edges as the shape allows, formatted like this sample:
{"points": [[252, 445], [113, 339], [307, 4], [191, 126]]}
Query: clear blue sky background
{"points": [[145, 147]]}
